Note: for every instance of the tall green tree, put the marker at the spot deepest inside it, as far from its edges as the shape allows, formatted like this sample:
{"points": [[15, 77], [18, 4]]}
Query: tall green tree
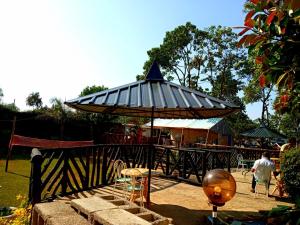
{"points": [[181, 55], [226, 64], [92, 89], [272, 32], [285, 123], [257, 90], [201, 59], [34, 100]]}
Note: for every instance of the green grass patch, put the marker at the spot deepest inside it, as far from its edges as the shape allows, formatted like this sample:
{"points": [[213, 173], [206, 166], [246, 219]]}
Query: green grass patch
{"points": [[15, 181]]}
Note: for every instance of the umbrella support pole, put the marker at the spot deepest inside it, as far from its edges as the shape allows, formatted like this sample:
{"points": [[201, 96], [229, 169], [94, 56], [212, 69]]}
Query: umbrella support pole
{"points": [[149, 159]]}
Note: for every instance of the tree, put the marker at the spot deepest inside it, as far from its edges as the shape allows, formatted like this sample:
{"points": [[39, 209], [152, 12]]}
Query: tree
{"points": [[226, 64], [192, 57], [57, 108], [180, 56], [272, 34], [255, 92], [11, 106], [92, 89], [34, 100], [1, 95], [94, 117], [239, 122], [286, 123]]}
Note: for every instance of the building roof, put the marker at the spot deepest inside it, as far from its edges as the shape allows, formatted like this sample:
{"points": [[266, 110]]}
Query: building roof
{"points": [[262, 132], [185, 123]]}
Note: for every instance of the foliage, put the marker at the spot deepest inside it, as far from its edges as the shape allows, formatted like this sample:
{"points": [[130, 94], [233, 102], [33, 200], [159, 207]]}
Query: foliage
{"points": [[192, 56], [21, 215], [239, 122], [34, 100], [11, 107], [286, 123], [1, 95], [94, 117], [92, 89], [253, 92], [180, 55], [272, 34], [226, 64], [291, 171], [283, 215], [58, 109], [5, 211]]}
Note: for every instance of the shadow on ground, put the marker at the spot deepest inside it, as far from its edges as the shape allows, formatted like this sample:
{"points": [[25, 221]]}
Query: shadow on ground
{"points": [[185, 216]]}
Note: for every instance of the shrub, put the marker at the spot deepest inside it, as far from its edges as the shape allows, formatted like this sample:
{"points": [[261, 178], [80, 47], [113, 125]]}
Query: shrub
{"points": [[21, 215], [291, 171]]}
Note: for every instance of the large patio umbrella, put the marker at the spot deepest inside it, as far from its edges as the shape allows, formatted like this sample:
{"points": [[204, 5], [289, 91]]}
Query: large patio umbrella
{"points": [[154, 97]]}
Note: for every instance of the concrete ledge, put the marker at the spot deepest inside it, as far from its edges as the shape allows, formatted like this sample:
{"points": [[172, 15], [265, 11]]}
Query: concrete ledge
{"points": [[67, 220]]}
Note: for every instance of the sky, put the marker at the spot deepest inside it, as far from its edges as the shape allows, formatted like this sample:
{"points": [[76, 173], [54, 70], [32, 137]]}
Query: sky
{"points": [[59, 47]]}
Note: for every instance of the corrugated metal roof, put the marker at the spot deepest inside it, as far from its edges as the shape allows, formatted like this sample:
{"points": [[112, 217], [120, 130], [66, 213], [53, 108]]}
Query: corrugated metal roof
{"points": [[168, 100], [262, 132], [185, 123]]}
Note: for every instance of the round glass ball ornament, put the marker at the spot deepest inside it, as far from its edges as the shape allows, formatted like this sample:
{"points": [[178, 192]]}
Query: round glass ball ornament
{"points": [[219, 186]]}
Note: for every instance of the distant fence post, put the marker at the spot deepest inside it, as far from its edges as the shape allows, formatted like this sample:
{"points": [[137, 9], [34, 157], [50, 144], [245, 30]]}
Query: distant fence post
{"points": [[35, 177]]}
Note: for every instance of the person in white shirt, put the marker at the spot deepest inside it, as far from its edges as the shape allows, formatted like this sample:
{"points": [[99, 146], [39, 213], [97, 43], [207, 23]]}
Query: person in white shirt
{"points": [[262, 170]]}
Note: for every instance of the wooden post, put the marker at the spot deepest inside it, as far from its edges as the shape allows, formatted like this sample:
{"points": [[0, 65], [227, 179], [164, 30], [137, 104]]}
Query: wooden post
{"points": [[65, 177], [87, 168], [35, 177], [228, 161], [168, 161], [10, 143], [204, 161], [104, 167], [149, 163], [184, 164]]}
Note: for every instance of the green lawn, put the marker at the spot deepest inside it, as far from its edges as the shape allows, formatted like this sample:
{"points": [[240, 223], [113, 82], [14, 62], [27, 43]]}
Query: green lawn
{"points": [[15, 181]]}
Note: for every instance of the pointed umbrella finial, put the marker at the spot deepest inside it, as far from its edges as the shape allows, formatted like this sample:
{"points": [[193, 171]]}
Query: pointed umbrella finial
{"points": [[154, 73]]}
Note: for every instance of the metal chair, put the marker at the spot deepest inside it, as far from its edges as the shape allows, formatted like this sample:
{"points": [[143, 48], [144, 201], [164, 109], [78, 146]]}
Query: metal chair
{"points": [[264, 184], [135, 186], [119, 178], [240, 162]]}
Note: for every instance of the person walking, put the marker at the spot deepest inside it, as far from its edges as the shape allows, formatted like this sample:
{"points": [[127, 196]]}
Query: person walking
{"points": [[262, 170]]}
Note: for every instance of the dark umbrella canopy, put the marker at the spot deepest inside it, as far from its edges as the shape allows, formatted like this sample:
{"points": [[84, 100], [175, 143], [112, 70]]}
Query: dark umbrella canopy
{"points": [[154, 95], [262, 132]]}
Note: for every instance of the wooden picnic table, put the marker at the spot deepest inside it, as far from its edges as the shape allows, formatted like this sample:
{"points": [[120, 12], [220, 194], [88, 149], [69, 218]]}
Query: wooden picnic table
{"points": [[144, 172]]}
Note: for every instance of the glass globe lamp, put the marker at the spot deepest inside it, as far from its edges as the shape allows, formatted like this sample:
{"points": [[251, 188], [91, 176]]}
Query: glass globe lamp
{"points": [[219, 186]]}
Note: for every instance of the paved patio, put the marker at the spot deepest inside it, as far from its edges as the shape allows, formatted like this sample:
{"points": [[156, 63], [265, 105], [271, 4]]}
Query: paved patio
{"points": [[187, 204]]}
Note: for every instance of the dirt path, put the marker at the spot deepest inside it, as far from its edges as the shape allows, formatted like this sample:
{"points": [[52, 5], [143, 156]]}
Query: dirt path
{"points": [[187, 204]]}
